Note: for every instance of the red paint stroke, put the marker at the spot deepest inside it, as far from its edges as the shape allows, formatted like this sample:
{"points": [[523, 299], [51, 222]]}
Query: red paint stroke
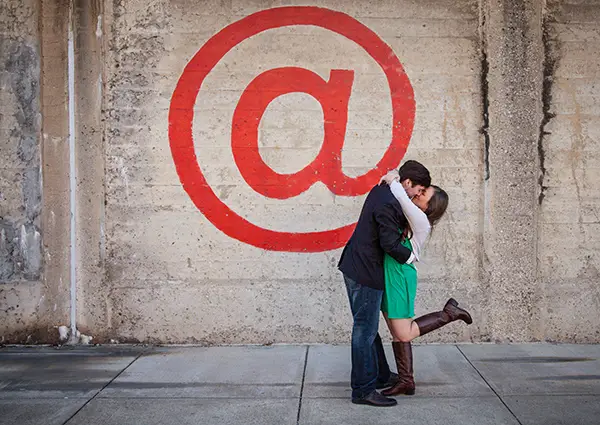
{"points": [[327, 166], [333, 96]]}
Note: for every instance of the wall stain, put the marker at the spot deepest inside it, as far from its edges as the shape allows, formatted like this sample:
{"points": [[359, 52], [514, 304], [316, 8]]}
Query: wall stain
{"points": [[20, 240], [551, 58], [485, 100]]}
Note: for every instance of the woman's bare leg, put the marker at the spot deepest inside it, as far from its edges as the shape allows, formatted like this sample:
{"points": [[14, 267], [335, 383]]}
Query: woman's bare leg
{"points": [[402, 330]]}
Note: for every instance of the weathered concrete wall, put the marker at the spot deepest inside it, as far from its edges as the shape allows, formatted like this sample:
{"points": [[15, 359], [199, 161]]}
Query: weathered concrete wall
{"points": [[186, 233], [21, 261], [511, 34], [171, 274], [34, 193], [569, 148], [92, 309], [56, 214]]}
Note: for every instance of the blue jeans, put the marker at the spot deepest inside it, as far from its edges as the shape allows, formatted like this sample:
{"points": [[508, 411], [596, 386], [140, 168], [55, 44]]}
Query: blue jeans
{"points": [[369, 364]]}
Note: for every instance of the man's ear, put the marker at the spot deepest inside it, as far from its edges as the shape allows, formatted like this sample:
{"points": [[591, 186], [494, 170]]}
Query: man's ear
{"points": [[407, 183]]}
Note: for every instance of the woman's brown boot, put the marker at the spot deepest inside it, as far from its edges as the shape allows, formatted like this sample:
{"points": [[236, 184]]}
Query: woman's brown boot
{"points": [[450, 313], [404, 363]]}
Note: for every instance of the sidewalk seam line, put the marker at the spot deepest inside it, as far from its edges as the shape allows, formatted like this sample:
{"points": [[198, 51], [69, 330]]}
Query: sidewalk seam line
{"points": [[105, 385], [302, 386], [489, 385]]}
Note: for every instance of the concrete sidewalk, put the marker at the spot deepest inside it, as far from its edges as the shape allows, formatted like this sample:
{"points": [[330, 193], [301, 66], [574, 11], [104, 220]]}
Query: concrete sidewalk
{"points": [[456, 384]]}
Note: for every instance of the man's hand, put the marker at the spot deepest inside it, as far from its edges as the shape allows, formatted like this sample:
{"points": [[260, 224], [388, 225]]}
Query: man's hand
{"points": [[391, 176]]}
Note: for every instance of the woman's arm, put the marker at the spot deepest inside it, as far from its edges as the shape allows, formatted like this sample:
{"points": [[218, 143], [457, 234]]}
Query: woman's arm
{"points": [[419, 224], [415, 216]]}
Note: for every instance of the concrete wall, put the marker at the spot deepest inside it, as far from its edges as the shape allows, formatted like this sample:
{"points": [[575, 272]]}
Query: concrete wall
{"points": [[20, 179], [172, 274], [34, 192], [569, 150], [189, 227]]}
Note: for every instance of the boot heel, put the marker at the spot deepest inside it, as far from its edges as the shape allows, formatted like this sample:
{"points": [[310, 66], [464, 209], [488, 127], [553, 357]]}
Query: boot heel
{"points": [[410, 392]]}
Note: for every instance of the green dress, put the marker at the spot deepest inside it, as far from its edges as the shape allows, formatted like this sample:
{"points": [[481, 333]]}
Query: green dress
{"points": [[400, 287]]}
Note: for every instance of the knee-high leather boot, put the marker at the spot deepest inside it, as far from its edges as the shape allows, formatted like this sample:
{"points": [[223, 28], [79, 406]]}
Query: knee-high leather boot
{"points": [[404, 363], [450, 313]]}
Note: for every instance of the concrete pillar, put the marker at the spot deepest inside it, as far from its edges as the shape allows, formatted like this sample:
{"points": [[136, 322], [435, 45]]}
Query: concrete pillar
{"points": [[89, 160], [54, 22], [89, 156], [512, 85]]}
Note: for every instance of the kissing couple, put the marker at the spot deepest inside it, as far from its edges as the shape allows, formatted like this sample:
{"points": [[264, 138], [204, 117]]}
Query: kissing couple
{"points": [[378, 266]]}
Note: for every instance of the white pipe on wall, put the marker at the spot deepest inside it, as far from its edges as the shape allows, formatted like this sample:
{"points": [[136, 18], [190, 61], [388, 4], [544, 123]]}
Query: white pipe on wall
{"points": [[72, 171]]}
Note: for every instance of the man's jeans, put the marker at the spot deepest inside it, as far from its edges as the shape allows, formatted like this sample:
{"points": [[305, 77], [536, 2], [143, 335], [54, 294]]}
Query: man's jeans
{"points": [[368, 358]]}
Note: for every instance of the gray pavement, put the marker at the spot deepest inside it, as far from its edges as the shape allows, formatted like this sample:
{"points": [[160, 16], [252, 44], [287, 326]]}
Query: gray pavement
{"points": [[284, 384]]}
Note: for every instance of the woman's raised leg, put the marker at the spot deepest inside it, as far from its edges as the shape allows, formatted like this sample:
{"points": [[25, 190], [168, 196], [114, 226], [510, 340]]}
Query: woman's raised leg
{"points": [[450, 313], [402, 330]]}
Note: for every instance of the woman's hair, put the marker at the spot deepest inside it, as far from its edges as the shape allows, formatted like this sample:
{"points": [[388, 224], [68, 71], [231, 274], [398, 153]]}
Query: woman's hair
{"points": [[437, 205]]}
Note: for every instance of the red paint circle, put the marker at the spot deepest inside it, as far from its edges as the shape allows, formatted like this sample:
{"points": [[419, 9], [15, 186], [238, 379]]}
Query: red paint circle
{"points": [[181, 117]]}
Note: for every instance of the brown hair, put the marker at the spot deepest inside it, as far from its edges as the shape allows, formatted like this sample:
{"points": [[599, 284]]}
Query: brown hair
{"points": [[416, 172], [437, 205]]}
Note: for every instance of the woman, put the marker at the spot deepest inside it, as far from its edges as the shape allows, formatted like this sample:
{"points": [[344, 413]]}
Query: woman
{"points": [[422, 213]]}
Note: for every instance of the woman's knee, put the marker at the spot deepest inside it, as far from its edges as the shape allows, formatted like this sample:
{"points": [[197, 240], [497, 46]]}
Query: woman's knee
{"points": [[401, 332], [407, 338], [403, 338]]}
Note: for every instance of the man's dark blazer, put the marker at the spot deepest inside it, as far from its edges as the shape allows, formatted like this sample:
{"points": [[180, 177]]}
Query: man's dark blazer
{"points": [[378, 231]]}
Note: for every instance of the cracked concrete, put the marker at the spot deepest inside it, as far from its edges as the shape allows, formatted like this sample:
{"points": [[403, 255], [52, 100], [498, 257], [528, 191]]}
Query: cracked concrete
{"points": [[296, 385]]}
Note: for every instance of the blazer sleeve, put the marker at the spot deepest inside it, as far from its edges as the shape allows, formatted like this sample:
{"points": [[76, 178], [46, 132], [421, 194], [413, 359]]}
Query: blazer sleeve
{"points": [[390, 237]]}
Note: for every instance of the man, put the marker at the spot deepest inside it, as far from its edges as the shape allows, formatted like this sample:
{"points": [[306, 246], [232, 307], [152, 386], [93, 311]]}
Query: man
{"points": [[378, 231]]}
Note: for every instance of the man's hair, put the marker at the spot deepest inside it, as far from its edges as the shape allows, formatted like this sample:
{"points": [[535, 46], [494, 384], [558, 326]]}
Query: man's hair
{"points": [[416, 172]]}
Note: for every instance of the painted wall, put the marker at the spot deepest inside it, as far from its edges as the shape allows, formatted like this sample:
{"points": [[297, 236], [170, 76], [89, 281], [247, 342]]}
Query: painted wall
{"points": [[223, 152], [288, 112]]}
